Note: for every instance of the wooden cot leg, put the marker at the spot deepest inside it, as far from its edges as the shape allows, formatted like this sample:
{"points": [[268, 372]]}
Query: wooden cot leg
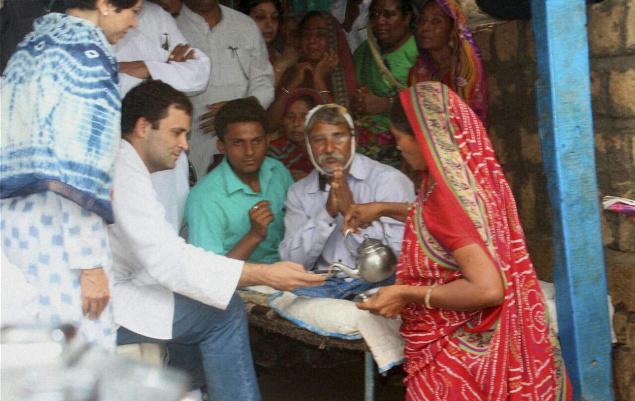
{"points": [[369, 376]]}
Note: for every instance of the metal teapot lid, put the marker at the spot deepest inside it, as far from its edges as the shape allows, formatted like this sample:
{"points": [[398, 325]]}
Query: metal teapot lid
{"points": [[369, 245]]}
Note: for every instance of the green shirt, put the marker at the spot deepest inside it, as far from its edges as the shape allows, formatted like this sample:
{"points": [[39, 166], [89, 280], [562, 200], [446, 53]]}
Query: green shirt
{"points": [[368, 74], [217, 210]]}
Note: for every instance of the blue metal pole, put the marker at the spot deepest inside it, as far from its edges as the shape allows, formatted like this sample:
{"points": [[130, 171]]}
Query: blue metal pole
{"points": [[566, 135], [369, 377]]}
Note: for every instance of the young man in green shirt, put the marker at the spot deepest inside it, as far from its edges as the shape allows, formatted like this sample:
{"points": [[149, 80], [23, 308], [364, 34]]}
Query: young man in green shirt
{"points": [[237, 209]]}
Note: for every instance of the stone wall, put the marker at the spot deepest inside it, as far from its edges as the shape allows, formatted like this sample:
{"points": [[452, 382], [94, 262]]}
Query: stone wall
{"points": [[508, 54]]}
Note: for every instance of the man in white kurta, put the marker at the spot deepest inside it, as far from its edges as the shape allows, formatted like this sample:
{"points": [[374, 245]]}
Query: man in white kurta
{"points": [[164, 289], [240, 68], [316, 204], [151, 44]]}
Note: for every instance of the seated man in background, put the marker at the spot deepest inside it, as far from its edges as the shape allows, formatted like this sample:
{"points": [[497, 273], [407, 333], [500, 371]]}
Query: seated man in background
{"points": [[157, 49], [237, 210], [166, 291], [316, 204]]}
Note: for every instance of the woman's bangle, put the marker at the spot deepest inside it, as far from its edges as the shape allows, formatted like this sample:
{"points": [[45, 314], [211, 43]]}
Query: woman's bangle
{"points": [[321, 92], [285, 91], [426, 299]]}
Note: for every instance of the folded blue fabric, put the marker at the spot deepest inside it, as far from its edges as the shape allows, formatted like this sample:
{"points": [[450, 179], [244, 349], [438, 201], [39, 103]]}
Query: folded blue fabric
{"points": [[340, 288]]}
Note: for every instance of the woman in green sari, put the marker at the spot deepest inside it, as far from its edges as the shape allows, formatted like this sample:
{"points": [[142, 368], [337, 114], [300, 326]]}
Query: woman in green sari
{"points": [[382, 64]]}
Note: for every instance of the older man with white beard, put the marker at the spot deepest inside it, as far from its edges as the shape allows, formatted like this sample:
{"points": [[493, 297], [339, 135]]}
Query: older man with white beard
{"points": [[316, 204]]}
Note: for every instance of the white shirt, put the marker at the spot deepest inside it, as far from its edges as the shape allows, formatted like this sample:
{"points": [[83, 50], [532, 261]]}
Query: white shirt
{"points": [[150, 260], [172, 188], [359, 29], [240, 68], [155, 30], [315, 239]]}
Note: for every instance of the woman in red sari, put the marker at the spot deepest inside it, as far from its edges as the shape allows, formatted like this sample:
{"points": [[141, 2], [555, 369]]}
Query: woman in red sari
{"points": [[473, 313]]}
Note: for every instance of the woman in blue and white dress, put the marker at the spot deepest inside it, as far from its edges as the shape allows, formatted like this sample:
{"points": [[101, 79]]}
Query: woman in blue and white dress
{"points": [[60, 133]]}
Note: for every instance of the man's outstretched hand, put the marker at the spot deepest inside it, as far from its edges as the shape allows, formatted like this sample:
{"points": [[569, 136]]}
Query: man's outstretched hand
{"points": [[287, 276]]}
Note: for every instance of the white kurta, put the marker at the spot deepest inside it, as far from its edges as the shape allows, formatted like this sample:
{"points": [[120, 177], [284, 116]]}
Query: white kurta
{"points": [[359, 29], [315, 239], [151, 262], [240, 68], [155, 36]]}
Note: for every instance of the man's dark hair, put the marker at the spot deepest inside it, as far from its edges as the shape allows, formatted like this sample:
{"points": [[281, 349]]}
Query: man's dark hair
{"points": [[151, 100], [243, 110], [91, 4]]}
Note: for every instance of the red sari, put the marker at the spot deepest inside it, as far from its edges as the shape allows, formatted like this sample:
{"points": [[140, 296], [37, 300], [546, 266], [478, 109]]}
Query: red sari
{"points": [[502, 353]]}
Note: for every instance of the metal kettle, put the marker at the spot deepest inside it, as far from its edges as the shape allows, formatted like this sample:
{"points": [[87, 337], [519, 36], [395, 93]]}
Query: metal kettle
{"points": [[375, 261]]}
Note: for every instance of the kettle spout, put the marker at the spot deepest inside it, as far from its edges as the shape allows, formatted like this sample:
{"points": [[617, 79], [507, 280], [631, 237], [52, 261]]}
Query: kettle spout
{"points": [[352, 272]]}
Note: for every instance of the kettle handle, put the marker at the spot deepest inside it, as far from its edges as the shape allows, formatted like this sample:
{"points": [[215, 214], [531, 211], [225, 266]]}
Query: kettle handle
{"points": [[347, 234], [349, 231]]}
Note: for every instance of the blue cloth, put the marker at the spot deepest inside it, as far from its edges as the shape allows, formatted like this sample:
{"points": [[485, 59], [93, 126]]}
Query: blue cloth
{"points": [[61, 114], [217, 209], [222, 338], [340, 288]]}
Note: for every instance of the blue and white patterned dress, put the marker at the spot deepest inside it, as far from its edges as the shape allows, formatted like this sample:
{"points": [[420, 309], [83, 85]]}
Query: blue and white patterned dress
{"points": [[60, 115], [51, 238]]}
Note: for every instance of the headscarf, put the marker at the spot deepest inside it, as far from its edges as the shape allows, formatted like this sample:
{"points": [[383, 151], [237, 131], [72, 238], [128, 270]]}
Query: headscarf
{"points": [[302, 92], [343, 81], [343, 113], [61, 114], [294, 157], [468, 76], [476, 195]]}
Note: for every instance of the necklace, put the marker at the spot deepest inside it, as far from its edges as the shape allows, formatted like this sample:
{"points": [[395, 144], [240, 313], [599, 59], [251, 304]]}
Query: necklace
{"points": [[421, 200], [429, 190]]}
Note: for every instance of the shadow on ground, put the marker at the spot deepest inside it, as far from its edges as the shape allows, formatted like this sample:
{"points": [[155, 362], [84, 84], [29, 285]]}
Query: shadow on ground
{"points": [[291, 371]]}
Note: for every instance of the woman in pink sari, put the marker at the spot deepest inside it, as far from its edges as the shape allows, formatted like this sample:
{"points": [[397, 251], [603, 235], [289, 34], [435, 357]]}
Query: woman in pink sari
{"points": [[474, 318]]}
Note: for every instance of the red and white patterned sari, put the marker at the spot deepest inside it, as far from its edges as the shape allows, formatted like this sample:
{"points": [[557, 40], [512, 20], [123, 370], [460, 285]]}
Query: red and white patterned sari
{"points": [[502, 353]]}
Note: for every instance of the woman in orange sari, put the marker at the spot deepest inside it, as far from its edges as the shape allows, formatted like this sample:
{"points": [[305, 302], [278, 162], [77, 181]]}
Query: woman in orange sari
{"points": [[448, 53], [473, 313]]}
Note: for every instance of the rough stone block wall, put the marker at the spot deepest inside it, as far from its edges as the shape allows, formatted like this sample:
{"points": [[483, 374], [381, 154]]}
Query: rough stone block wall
{"points": [[508, 53]]}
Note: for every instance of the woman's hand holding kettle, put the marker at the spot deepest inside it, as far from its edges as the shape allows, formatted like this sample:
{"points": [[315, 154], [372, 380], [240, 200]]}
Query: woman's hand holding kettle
{"points": [[361, 215]]}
